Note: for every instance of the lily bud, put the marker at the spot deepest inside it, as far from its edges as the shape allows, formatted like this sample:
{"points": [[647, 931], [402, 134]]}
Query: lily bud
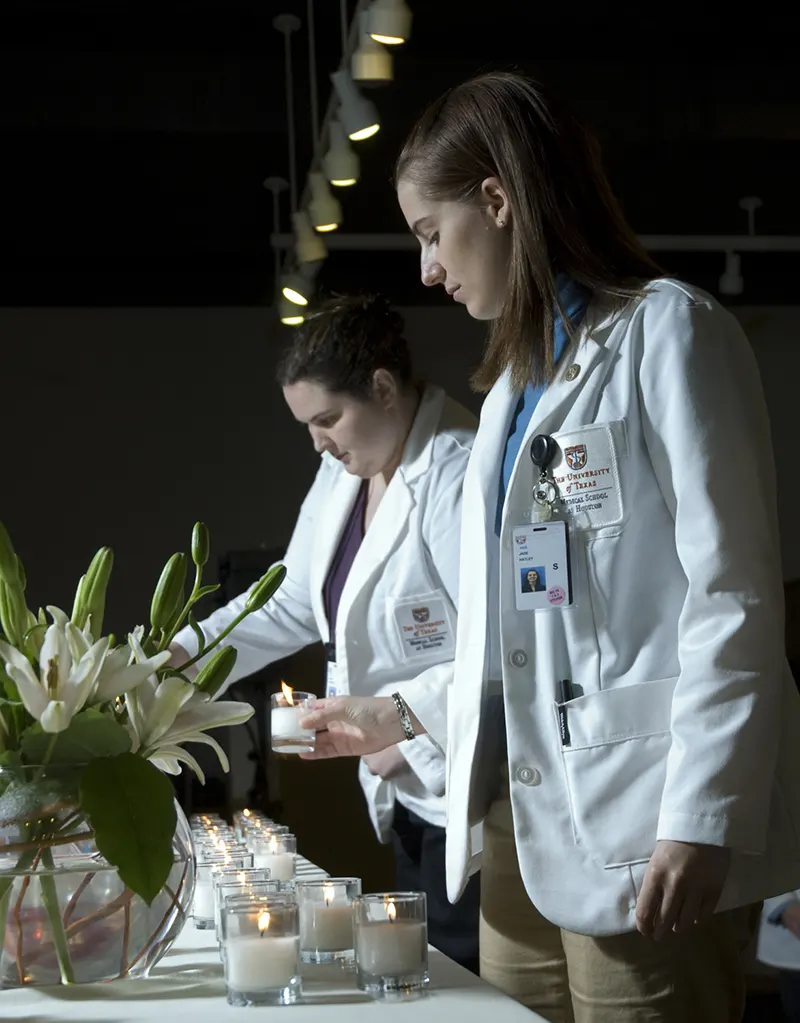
{"points": [[200, 544], [265, 588], [9, 562], [79, 603], [95, 588], [23, 579], [210, 679], [168, 591], [7, 617]]}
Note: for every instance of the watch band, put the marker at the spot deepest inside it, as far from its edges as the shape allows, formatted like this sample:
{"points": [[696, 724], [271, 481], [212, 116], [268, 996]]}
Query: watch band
{"points": [[405, 717]]}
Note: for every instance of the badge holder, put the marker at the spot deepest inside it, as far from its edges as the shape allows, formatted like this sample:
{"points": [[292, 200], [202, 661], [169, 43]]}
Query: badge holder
{"points": [[331, 687], [541, 564]]}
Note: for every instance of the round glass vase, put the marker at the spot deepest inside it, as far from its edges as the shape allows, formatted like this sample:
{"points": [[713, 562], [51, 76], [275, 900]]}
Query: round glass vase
{"points": [[66, 917]]}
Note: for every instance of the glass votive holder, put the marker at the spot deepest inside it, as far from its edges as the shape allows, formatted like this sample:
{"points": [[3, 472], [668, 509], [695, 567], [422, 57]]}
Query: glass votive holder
{"points": [[288, 709], [261, 950], [255, 891], [391, 944], [234, 879], [326, 918], [278, 854], [203, 901]]}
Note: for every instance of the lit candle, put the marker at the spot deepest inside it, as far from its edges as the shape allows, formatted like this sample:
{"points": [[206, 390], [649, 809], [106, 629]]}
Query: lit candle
{"points": [[203, 903], [391, 947], [326, 926], [288, 709], [257, 964], [278, 856]]}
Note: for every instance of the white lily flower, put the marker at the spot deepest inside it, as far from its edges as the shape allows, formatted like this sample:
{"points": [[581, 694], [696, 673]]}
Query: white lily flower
{"points": [[162, 716], [68, 671], [120, 671]]}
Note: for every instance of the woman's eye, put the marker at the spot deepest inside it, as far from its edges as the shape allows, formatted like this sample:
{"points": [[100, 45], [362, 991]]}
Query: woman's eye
{"points": [[434, 239]]}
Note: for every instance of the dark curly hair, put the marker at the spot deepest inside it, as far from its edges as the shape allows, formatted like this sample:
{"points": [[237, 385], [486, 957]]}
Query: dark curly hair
{"points": [[344, 342]]}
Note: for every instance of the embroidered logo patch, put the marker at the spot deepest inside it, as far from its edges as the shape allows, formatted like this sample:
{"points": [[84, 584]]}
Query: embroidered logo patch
{"points": [[576, 456]]}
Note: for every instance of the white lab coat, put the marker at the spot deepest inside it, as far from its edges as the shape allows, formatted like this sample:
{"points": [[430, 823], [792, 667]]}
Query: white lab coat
{"points": [[408, 561], [688, 726]]}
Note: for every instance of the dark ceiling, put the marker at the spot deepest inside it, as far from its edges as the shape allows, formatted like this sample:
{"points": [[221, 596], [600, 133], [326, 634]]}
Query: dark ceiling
{"points": [[135, 137]]}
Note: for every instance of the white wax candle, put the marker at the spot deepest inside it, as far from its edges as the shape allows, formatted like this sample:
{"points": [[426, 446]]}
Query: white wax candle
{"points": [[286, 727], [203, 904], [391, 947], [326, 927], [279, 864], [256, 964]]}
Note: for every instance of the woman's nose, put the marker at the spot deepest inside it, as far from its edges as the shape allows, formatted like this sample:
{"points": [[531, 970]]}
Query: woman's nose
{"points": [[318, 439], [432, 273]]}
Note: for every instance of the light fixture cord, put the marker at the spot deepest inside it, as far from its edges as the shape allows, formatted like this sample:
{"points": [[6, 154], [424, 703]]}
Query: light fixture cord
{"points": [[312, 76], [343, 18], [276, 226], [290, 122]]}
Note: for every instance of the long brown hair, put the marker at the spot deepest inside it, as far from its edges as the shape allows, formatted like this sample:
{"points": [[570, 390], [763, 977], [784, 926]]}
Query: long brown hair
{"points": [[564, 216]]}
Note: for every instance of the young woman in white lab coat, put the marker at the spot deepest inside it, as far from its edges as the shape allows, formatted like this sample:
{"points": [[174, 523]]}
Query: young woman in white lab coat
{"points": [[372, 571], [647, 797]]}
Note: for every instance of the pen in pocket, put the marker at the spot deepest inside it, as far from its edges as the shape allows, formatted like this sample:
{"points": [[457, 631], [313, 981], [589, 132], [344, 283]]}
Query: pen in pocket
{"points": [[564, 696]]}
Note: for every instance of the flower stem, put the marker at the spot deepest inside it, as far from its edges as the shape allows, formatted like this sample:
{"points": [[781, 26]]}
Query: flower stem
{"points": [[50, 899], [219, 639], [46, 759]]}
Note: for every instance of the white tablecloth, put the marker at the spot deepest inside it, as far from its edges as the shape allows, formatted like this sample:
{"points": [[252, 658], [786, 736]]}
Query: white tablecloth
{"points": [[188, 985]]}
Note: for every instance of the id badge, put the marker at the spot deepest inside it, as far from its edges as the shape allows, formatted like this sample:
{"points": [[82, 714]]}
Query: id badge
{"points": [[541, 574], [331, 689]]}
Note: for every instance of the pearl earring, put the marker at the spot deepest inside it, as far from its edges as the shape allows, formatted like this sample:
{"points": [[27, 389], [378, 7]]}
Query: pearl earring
{"points": [[500, 222]]}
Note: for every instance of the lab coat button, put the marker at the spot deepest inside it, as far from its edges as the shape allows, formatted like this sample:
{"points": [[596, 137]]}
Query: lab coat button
{"points": [[518, 658], [573, 372], [528, 775]]}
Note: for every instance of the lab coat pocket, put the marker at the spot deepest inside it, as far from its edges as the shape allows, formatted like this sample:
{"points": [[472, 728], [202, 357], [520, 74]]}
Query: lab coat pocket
{"points": [[615, 766], [425, 628], [588, 469]]}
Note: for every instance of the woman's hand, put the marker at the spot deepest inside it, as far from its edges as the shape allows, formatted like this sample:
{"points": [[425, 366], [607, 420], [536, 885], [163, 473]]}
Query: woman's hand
{"points": [[790, 918], [179, 657], [353, 726], [387, 764], [682, 886]]}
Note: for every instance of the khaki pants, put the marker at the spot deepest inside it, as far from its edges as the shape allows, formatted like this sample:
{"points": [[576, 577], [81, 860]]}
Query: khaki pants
{"points": [[697, 977]]}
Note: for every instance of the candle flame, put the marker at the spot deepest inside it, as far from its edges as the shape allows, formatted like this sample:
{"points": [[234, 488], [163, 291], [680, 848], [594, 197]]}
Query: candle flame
{"points": [[242, 877], [287, 692], [245, 812], [391, 912], [328, 893], [273, 844], [263, 922]]}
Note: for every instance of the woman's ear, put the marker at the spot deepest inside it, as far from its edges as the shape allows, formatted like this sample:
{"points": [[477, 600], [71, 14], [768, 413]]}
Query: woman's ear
{"points": [[384, 388], [495, 201]]}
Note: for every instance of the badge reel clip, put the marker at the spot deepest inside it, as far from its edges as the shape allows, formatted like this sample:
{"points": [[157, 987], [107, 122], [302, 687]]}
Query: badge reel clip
{"points": [[545, 491]]}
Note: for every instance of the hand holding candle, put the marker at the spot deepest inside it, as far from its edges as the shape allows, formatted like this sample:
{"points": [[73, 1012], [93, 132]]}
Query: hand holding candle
{"points": [[288, 709]]}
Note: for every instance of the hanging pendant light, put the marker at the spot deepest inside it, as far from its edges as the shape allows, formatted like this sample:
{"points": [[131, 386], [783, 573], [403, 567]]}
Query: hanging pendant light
{"points": [[358, 115], [731, 281], [389, 22], [324, 210], [371, 63], [310, 248], [296, 289], [291, 315], [341, 163]]}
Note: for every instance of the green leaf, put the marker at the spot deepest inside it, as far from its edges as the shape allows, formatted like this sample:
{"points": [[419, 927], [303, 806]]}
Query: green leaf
{"points": [[90, 735], [204, 591], [130, 806]]}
